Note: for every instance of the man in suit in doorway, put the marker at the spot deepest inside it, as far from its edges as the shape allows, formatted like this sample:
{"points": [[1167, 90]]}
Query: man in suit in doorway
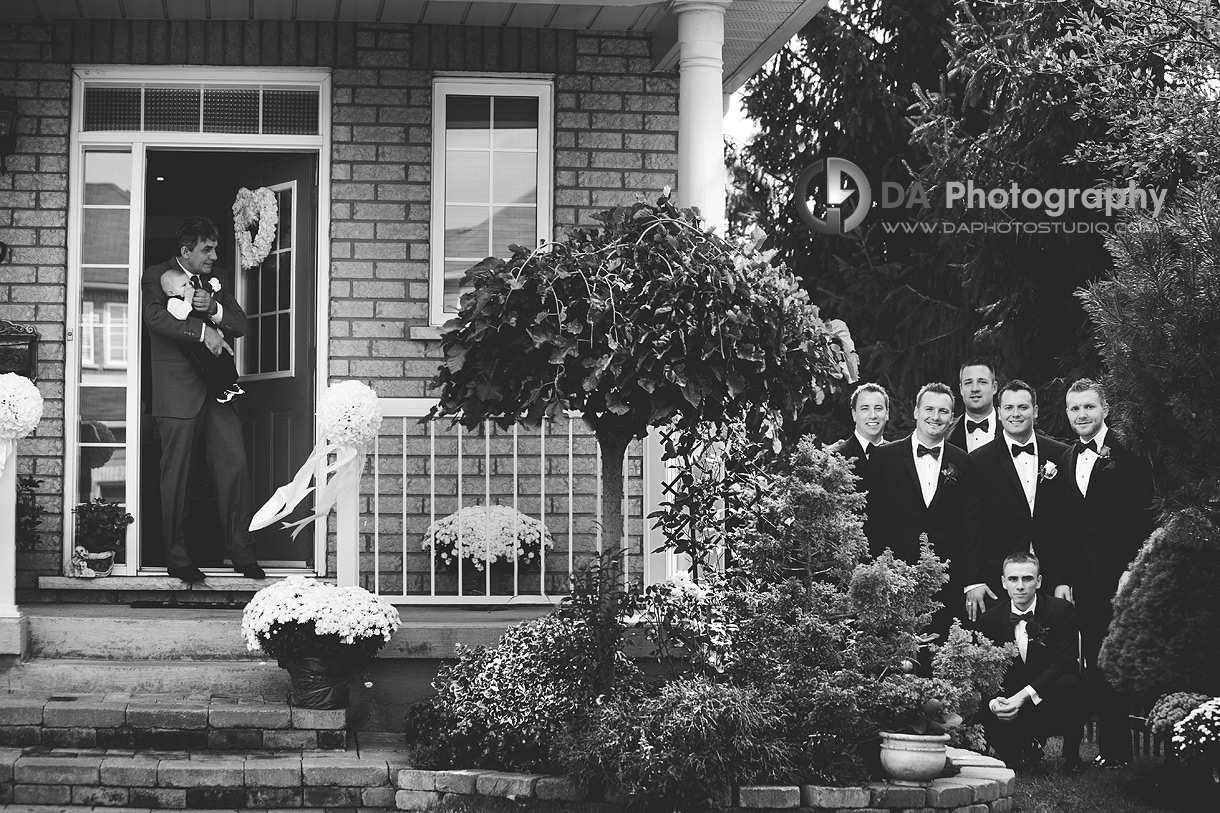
{"points": [[1043, 692], [1107, 494], [978, 425], [1019, 504], [870, 410], [187, 420], [922, 485]]}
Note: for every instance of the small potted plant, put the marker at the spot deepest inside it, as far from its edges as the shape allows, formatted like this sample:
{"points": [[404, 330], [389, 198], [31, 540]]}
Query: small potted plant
{"points": [[483, 535], [101, 527], [915, 716], [319, 633]]}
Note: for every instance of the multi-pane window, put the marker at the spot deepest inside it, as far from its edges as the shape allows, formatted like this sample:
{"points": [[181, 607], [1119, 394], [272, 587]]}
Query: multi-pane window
{"points": [[491, 181], [266, 350], [116, 334]]}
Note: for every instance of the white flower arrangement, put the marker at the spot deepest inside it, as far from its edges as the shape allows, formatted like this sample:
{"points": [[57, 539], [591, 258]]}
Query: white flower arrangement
{"points": [[1196, 737], [20, 406], [487, 533], [249, 207], [350, 414], [1049, 470], [297, 615]]}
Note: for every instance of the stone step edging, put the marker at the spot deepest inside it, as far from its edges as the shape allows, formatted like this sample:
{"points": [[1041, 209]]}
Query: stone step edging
{"points": [[985, 785], [206, 723]]}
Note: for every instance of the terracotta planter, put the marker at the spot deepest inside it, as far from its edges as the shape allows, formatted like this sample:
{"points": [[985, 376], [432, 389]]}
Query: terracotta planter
{"points": [[316, 683], [913, 759]]}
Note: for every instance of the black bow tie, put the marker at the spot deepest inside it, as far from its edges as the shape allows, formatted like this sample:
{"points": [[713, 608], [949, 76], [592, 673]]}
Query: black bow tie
{"points": [[973, 425], [1017, 451], [868, 449], [1016, 617], [923, 450], [1091, 446]]}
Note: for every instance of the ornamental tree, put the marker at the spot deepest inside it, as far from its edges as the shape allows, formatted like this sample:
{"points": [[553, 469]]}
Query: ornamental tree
{"points": [[646, 321]]}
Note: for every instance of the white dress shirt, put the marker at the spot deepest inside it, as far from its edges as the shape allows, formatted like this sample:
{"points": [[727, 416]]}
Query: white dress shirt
{"points": [[1087, 459], [980, 437], [927, 467], [865, 443], [1027, 468], [1022, 638]]}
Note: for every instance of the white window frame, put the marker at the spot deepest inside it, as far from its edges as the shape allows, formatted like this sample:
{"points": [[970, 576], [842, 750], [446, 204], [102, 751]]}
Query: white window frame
{"points": [[88, 324], [538, 86], [241, 280], [114, 335]]}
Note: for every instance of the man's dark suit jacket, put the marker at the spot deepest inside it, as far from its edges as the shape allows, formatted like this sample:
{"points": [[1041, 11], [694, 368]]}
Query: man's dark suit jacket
{"points": [[1045, 663], [896, 514], [1007, 524], [851, 449], [177, 390], [957, 433], [1101, 532]]}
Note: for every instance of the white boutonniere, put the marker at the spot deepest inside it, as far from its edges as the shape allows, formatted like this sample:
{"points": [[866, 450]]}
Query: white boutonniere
{"points": [[214, 284], [1048, 472], [949, 472]]}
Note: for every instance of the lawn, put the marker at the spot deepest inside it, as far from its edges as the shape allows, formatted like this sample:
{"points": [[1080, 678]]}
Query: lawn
{"points": [[1044, 788]]}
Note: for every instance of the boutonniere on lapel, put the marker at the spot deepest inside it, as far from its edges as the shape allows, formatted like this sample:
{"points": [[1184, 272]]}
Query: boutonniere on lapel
{"points": [[949, 472], [1103, 455], [214, 285], [1048, 471], [1036, 632]]}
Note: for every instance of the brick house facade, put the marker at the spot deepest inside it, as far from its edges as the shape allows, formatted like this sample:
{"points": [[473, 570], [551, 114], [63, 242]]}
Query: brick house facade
{"points": [[630, 114]]}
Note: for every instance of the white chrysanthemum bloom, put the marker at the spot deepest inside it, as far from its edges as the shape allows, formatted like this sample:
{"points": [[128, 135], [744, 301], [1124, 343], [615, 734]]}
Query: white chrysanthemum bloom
{"points": [[20, 406], [487, 533], [351, 613], [350, 414]]}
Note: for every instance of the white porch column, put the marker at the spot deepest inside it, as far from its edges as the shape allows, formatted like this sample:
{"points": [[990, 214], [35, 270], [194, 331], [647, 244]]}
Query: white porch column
{"points": [[701, 107], [12, 622]]}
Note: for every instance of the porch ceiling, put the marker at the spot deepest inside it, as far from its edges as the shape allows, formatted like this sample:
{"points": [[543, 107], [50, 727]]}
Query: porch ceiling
{"points": [[754, 29]]}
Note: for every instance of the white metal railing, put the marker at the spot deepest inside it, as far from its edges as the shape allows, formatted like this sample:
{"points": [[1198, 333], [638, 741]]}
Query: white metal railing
{"points": [[420, 472]]}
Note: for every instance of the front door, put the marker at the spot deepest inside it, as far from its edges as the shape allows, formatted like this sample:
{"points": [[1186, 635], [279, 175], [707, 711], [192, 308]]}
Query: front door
{"points": [[276, 356]]}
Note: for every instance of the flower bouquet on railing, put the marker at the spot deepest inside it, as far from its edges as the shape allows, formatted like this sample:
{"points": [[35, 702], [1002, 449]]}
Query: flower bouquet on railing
{"points": [[319, 633], [488, 535], [20, 412]]}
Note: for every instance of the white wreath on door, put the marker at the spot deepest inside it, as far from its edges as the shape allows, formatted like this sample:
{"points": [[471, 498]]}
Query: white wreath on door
{"points": [[250, 207]]}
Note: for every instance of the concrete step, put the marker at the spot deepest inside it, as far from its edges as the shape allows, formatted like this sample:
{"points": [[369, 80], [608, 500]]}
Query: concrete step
{"points": [[231, 678], [169, 780], [126, 633]]}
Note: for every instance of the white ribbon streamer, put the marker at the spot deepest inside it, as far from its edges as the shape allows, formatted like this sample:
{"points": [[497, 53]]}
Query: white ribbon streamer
{"points": [[338, 477], [7, 447]]}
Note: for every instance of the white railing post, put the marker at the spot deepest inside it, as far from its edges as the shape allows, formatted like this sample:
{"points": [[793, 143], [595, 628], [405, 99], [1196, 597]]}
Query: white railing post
{"points": [[347, 539], [654, 474], [13, 624]]}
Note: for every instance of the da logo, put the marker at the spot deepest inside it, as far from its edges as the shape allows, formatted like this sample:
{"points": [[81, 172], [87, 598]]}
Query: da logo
{"points": [[831, 211]]}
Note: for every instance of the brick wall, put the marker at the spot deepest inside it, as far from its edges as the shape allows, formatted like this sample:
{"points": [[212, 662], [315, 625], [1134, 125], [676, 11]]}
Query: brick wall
{"points": [[615, 136]]}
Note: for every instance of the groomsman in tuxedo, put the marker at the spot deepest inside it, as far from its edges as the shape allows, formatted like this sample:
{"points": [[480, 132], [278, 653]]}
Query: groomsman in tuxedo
{"points": [[1019, 506], [919, 485], [978, 425], [870, 410], [1107, 497], [1043, 693]]}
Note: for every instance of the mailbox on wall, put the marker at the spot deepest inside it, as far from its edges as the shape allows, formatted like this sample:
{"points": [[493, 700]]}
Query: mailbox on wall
{"points": [[18, 350]]}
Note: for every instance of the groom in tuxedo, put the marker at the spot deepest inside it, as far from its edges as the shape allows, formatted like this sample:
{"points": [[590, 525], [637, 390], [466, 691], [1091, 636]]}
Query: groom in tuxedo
{"points": [[1019, 505], [1106, 493], [978, 425], [188, 421], [1042, 690], [870, 410], [923, 485]]}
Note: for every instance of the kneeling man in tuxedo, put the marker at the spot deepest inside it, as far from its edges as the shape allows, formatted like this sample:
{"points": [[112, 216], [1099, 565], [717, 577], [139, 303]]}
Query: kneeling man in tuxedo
{"points": [[1043, 691]]}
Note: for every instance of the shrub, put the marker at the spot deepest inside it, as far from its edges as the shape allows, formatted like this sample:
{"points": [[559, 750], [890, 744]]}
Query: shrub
{"points": [[29, 512], [976, 667], [1196, 738], [505, 706], [1171, 709], [1165, 635], [684, 748]]}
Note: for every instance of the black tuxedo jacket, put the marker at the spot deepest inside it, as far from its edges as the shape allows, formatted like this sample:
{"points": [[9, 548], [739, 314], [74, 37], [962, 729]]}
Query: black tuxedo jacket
{"points": [[1057, 653], [896, 514], [177, 390], [1008, 525], [957, 433], [851, 449], [1101, 532]]}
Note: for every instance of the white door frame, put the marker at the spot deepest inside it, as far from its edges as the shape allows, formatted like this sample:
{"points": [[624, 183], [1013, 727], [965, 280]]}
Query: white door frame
{"points": [[139, 143]]}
